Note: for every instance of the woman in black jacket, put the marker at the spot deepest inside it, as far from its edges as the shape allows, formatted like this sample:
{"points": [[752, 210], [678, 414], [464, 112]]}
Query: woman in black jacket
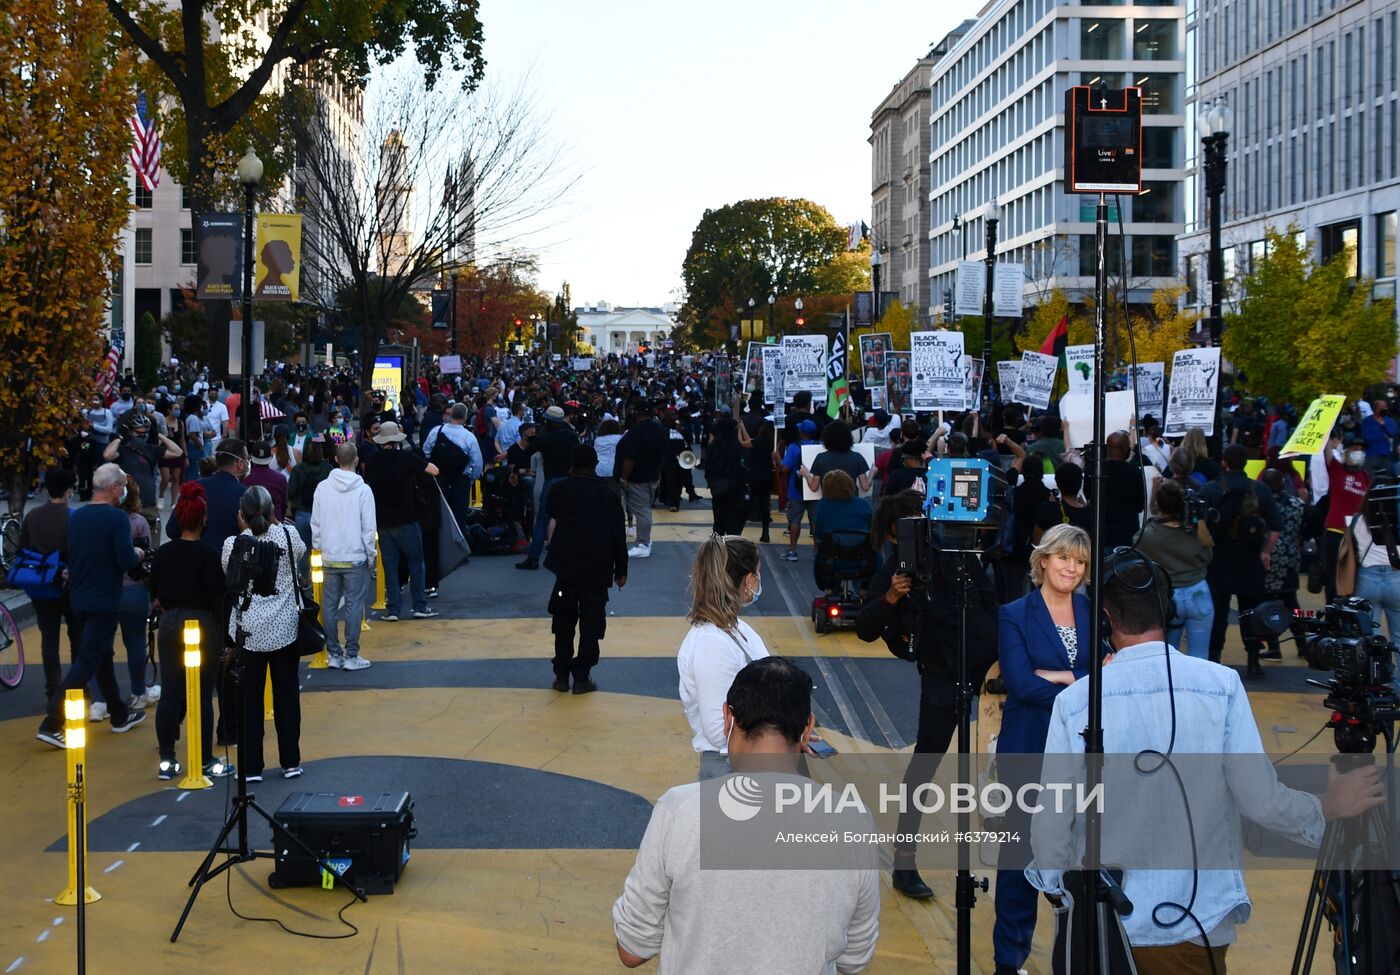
{"points": [[725, 473]]}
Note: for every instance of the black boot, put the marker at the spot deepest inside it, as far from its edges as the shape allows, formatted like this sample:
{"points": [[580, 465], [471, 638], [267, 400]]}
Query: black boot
{"points": [[910, 884], [1254, 671]]}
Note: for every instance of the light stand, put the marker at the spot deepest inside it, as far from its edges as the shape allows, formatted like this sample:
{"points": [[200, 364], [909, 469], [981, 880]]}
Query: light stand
{"points": [[245, 801], [988, 307], [965, 886], [1214, 125], [250, 173]]}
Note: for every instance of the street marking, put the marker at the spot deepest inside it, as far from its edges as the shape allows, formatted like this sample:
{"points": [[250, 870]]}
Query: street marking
{"points": [[158, 820], [114, 866], [182, 797], [15, 964], [57, 921], [43, 935], [132, 847]]}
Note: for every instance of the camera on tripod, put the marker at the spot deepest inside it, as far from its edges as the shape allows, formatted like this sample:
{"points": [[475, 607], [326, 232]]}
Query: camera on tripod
{"points": [[252, 565], [1342, 638]]}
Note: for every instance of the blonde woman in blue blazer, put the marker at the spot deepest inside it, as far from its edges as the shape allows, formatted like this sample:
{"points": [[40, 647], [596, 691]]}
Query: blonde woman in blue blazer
{"points": [[1043, 646]]}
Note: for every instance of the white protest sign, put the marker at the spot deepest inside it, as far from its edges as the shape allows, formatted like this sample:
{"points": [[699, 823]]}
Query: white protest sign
{"points": [[1079, 366], [971, 286], [1077, 410], [811, 451], [1006, 379], [972, 388], [450, 365], [938, 381], [1191, 395], [1150, 387], [804, 366], [773, 374], [1009, 290], [582, 364], [1035, 379]]}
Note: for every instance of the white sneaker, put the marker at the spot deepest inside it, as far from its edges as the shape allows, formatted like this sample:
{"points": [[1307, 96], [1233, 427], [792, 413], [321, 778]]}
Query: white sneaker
{"points": [[354, 663], [153, 693], [98, 711], [138, 702], [639, 552], [335, 662]]}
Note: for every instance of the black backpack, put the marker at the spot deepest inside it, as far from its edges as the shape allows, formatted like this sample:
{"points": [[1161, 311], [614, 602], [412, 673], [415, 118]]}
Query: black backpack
{"points": [[1240, 522], [449, 459]]}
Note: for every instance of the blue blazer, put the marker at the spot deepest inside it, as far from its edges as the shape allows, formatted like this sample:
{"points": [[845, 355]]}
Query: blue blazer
{"points": [[1027, 642]]}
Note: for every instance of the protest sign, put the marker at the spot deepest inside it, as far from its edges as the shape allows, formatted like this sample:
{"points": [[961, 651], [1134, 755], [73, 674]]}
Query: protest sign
{"points": [[1079, 367], [724, 381], [772, 374], [898, 381], [753, 367], [1006, 379], [1315, 427], [450, 365], [804, 366], [1035, 379], [872, 359], [1191, 395], [1151, 383], [972, 374], [939, 382]]}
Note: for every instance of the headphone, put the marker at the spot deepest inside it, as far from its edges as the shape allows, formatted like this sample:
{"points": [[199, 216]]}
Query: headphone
{"points": [[1119, 569]]}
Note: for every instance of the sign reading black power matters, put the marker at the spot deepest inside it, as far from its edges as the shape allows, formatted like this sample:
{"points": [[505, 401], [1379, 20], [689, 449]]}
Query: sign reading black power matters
{"points": [[1103, 140]]}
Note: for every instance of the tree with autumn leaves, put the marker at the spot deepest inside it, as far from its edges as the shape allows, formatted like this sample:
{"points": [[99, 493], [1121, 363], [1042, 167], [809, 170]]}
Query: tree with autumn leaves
{"points": [[65, 105]]}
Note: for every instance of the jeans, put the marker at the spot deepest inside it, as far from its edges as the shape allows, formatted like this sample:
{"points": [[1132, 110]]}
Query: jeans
{"points": [[713, 765], [170, 712], [50, 615], [1381, 585], [352, 585], [639, 507], [136, 609], [542, 521], [406, 542], [93, 657], [1195, 612]]}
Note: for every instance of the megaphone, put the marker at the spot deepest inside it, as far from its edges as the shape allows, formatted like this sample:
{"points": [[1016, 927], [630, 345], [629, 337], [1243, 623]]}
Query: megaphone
{"points": [[687, 460]]}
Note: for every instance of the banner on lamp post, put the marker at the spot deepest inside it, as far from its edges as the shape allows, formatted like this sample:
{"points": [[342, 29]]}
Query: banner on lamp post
{"points": [[277, 260], [218, 239]]}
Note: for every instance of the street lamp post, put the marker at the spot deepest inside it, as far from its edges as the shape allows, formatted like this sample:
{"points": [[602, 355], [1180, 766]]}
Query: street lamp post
{"points": [[874, 285], [250, 174], [752, 305], [1214, 125], [772, 300], [797, 306], [993, 219]]}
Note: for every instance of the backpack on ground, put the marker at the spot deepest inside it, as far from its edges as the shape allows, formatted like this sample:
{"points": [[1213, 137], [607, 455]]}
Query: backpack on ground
{"points": [[1240, 522]]}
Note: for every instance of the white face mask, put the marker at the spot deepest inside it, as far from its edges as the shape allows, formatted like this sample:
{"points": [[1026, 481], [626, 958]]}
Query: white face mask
{"points": [[1356, 457], [757, 591]]}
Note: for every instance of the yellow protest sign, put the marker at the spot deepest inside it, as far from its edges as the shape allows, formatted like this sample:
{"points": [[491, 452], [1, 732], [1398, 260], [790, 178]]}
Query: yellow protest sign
{"points": [[277, 271], [1315, 426], [1253, 468]]}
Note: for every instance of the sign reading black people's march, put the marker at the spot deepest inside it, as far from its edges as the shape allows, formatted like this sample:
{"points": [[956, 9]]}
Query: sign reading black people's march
{"points": [[219, 251], [1191, 395], [939, 382], [753, 367], [773, 378], [1006, 379], [804, 366], [1150, 385], [898, 381], [1035, 379], [872, 366]]}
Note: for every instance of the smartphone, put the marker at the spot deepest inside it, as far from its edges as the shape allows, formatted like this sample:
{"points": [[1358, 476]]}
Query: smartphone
{"points": [[821, 749]]}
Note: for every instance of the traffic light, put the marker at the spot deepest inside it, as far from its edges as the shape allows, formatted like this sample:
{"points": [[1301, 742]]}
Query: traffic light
{"points": [[801, 322], [518, 323]]}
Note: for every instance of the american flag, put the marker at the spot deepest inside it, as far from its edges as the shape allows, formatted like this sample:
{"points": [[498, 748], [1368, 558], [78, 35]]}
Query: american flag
{"points": [[111, 367], [145, 150]]}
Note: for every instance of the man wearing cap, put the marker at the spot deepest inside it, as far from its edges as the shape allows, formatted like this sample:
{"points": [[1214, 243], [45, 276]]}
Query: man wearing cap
{"points": [[556, 448], [587, 553], [261, 474], [390, 473]]}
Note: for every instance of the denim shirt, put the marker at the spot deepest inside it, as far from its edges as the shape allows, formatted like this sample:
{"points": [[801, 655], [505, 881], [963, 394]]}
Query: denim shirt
{"points": [[1213, 718]]}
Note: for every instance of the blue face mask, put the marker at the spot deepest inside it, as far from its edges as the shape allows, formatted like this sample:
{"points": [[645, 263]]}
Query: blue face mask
{"points": [[121, 499]]}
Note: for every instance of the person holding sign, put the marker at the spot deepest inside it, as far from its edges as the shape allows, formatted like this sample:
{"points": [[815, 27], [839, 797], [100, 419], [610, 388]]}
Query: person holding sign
{"points": [[839, 455]]}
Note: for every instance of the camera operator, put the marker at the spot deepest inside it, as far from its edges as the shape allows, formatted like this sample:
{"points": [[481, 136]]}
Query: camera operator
{"points": [[921, 623], [1206, 705], [270, 628], [1178, 540]]}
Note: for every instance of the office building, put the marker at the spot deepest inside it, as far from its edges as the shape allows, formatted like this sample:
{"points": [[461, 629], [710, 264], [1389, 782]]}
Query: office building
{"points": [[997, 134]]}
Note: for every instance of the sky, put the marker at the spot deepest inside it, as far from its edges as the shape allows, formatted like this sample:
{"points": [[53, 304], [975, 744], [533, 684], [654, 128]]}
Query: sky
{"points": [[669, 108]]}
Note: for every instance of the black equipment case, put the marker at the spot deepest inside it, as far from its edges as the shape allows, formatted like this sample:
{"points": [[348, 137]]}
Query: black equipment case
{"points": [[365, 838]]}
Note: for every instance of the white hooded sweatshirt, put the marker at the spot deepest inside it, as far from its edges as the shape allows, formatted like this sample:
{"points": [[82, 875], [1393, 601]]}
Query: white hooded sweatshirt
{"points": [[342, 519]]}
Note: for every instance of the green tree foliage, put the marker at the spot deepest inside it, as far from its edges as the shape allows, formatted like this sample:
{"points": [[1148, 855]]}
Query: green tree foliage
{"points": [[1303, 329], [1003, 342], [216, 71], [754, 248]]}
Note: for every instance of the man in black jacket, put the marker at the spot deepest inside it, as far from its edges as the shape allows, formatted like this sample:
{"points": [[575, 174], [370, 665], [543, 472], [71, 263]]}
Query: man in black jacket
{"points": [[587, 551]]}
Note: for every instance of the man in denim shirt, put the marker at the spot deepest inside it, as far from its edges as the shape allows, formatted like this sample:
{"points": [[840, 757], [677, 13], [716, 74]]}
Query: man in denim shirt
{"points": [[1207, 714]]}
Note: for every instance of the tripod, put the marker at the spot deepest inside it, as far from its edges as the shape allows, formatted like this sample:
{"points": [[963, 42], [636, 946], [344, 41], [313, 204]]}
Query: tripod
{"points": [[1357, 899], [244, 802]]}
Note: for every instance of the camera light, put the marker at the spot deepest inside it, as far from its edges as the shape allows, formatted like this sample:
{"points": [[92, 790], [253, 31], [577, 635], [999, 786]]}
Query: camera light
{"points": [[192, 634], [75, 738], [192, 658]]}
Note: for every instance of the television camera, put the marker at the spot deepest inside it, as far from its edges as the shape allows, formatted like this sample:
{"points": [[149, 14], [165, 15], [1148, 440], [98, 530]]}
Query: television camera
{"points": [[1342, 638]]}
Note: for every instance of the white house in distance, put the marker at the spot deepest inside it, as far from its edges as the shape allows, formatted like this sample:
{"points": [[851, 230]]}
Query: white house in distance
{"points": [[622, 330]]}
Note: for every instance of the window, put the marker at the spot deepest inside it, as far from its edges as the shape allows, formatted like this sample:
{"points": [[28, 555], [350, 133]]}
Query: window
{"points": [[1158, 94], [1342, 239], [143, 197], [1195, 274], [184, 198], [1156, 204], [1154, 256], [143, 245], [187, 253], [1154, 40], [1100, 40], [1113, 254], [1385, 245], [1158, 147]]}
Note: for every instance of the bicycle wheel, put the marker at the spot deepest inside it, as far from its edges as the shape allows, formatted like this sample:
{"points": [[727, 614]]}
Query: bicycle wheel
{"points": [[11, 651], [9, 542]]}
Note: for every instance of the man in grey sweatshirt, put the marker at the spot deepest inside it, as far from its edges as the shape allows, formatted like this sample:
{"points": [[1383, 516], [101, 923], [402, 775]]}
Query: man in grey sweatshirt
{"points": [[701, 920]]}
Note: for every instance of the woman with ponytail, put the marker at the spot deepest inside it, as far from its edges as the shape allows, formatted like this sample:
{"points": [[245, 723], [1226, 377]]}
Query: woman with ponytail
{"points": [[719, 645], [270, 623], [187, 583]]}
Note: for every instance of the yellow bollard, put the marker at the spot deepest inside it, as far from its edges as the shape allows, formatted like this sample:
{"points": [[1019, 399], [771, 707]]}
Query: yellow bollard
{"points": [[267, 697], [75, 748], [476, 494], [321, 660], [194, 707], [378, 575]]}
